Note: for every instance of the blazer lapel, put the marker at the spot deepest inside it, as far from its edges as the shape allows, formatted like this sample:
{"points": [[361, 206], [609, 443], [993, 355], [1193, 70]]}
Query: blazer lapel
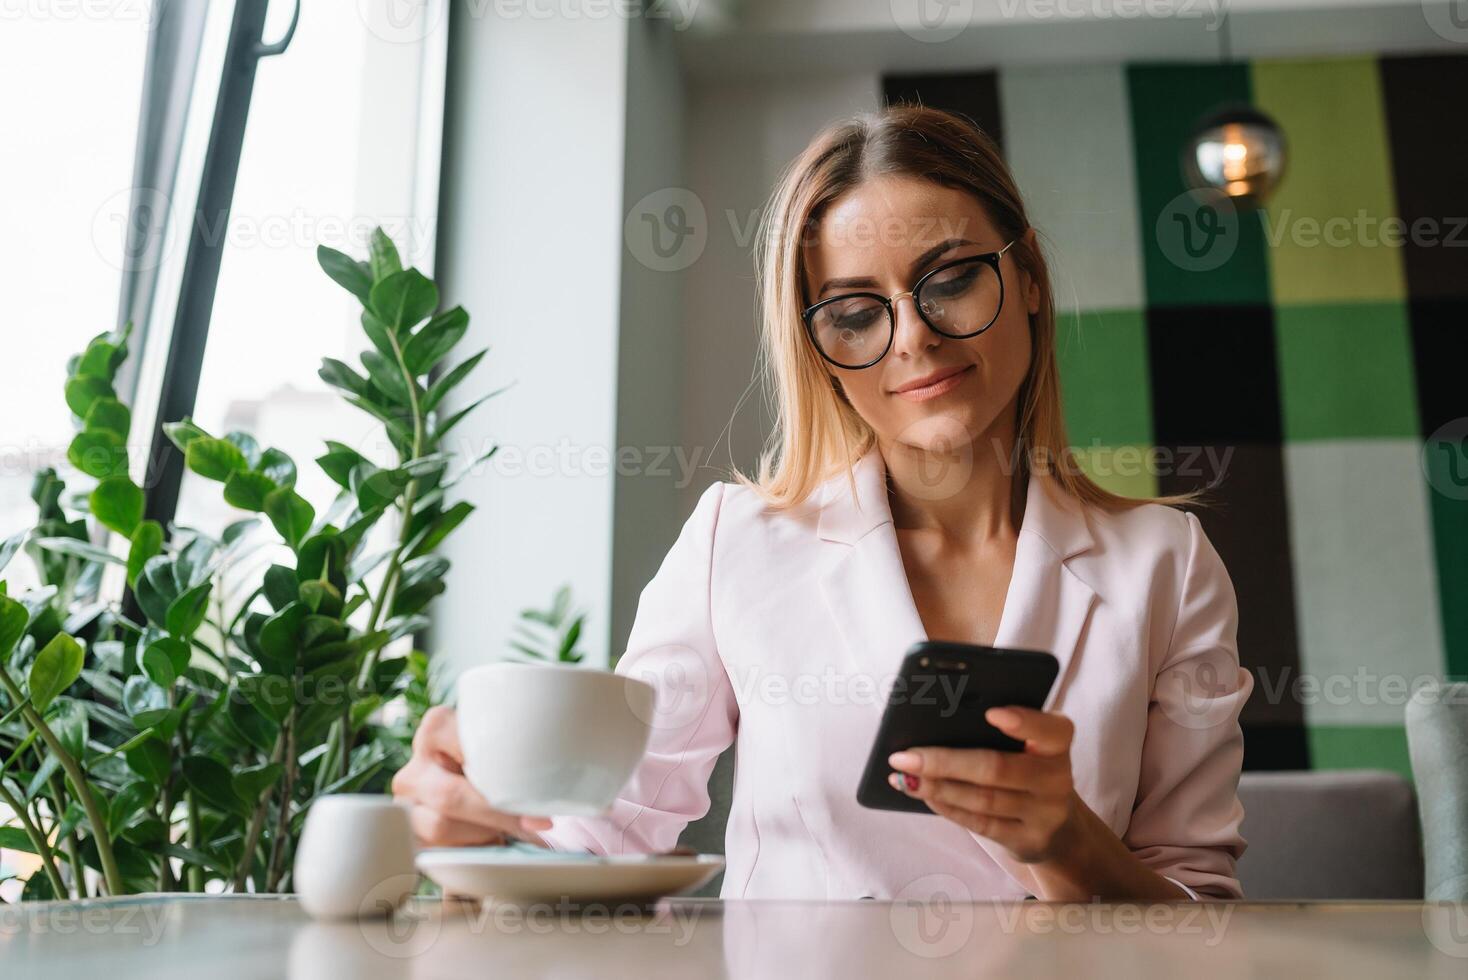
{"points": [[1047, 607], [1048, 604], [866, 588]]}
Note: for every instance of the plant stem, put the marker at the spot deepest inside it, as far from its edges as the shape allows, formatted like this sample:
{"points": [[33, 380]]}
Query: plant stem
{"points": [[191, 804], [257, 824], [78, 871], [196, 873], [38, 841], [341, 733], [111, 874], [283, 818], [165, 814]]}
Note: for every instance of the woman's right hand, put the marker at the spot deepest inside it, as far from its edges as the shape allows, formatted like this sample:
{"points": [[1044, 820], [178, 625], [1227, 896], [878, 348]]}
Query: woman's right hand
{"points": [[446, 810]]}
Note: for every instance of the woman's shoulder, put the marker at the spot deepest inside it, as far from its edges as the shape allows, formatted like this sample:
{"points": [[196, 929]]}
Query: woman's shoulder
{"points": [[1156, 537]]}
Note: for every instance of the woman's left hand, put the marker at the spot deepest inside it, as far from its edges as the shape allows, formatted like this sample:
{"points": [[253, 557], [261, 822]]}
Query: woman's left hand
{"points": [[1024, 801]]}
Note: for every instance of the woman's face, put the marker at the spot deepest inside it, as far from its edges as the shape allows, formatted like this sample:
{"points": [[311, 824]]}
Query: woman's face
{"points": [[929, 392]]}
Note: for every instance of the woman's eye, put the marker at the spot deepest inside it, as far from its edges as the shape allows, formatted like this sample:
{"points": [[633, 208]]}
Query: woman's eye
{"points": [[853, 316], [954, 282], [856, 319]]}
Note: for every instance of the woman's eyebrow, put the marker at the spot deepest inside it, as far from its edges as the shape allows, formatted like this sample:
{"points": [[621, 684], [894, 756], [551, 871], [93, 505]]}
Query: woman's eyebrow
{"points": [[865, 282], [937, 250]]}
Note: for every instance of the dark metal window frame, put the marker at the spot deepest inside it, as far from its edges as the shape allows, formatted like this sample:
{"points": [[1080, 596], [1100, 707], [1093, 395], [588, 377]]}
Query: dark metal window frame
{"points": [[190, 334]]}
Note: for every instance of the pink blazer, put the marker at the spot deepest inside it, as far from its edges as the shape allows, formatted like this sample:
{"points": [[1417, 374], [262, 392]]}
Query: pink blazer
{"points": [[783, 632]]}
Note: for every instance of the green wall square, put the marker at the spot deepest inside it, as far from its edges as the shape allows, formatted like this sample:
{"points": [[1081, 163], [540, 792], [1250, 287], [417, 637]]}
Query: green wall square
{"points": [[1167, 103], [1360, 747], [1449, 498], [1104, 378], [1345, 370]]}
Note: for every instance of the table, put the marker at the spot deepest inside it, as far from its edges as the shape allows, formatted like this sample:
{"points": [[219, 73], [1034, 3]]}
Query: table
{"points": [[221, 938]]}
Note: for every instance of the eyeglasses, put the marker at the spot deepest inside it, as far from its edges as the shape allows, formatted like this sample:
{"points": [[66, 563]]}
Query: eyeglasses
{"points": [[958, 299]]}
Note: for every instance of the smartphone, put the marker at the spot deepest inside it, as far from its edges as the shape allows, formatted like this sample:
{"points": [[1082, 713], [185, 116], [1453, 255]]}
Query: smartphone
{"points": [[939, 698]]}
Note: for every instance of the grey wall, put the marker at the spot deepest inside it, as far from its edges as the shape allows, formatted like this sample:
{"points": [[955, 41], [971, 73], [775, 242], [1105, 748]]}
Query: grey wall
{"points": [[569, 144], [741, 136]]}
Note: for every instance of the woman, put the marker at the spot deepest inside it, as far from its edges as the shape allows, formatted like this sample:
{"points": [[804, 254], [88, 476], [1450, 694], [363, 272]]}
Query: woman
{"points": [[918, 487]]}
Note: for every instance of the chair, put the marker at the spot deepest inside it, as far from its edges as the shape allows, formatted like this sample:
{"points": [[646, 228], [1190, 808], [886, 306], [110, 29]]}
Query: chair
{"points": [[1437, 739], [1329, 834]]}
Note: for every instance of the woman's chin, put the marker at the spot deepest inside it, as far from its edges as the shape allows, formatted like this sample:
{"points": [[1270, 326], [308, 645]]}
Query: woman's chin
{"points": [[939, 433]]}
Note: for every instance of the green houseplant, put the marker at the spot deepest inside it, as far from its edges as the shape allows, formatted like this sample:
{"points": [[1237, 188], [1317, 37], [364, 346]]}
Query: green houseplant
{"points": [[178, 739]]}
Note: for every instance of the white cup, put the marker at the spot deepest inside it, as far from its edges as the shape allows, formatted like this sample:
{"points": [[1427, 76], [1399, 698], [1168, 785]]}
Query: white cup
{"points": [[551, 739], [355, 858]]}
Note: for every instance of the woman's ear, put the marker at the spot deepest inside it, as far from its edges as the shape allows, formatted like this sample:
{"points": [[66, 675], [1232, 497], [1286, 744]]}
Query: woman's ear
{"points": [[1032, 288]]}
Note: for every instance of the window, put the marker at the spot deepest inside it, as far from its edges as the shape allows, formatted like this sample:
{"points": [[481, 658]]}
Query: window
{"points": [[68, 160], [324, 162]]}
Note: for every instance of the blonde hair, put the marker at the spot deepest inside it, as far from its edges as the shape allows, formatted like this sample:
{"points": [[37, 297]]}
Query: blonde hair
{"points": [[817, 431]]}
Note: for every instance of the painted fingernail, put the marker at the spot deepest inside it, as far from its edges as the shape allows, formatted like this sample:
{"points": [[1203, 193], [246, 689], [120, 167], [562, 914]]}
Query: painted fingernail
{"points": [[904, 760], [1002, 717], [912, 783]]}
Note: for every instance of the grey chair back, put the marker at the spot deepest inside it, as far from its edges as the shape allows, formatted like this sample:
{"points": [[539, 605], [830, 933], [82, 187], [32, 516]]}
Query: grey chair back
{"points": [[1329, 835], [1312, 835], [1437, 738]]}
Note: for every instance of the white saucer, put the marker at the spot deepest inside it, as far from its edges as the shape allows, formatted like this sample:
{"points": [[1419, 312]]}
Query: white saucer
{"points": [[519, 875]]}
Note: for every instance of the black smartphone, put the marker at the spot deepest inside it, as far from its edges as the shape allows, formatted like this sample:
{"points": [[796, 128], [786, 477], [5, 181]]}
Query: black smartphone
{"points": [[939, 698]]}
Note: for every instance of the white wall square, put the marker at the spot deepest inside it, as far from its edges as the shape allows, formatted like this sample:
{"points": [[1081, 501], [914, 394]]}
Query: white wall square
{"points": [[1365, 582]]}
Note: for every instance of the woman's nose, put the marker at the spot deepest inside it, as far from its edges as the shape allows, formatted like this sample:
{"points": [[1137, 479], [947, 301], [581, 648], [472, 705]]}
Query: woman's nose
{"points": [[912, 335]]}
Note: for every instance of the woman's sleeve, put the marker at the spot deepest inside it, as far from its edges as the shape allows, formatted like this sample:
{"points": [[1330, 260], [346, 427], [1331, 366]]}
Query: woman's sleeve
{"points": [[1185, 825], [672, 647]]}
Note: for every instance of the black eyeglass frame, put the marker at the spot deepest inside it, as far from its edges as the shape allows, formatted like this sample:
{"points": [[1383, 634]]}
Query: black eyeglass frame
{"points": [[990, 259]]}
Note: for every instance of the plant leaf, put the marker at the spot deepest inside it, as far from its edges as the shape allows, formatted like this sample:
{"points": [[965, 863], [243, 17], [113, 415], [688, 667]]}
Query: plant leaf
{"points": [[279, 467], [338, 462], [353, 276], [55, 668], [443, 525], [403, 299], [10, 546], [155, 588], [13, 619], [383, 258], [118, 503], [147, 542], [290, 513], [81, 392], [211, 781], [149, 759], [110, 414], [251, 783], [340, 375], [386, 376], [250, 724], [247, 489], [438, 336], [158, 667], [182, 433], [186, 613], [280, 586], [442, 428], [77, 549], [278, 635], [214, 459], [449, 381], [98, 452], [165, 660]]}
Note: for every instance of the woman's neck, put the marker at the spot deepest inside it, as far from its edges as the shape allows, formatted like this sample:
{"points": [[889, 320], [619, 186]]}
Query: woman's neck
{"points": [[968, 494]]}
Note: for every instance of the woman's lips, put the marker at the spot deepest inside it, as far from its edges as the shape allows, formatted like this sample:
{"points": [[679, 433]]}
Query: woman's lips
{"points": [[946, 382]]}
